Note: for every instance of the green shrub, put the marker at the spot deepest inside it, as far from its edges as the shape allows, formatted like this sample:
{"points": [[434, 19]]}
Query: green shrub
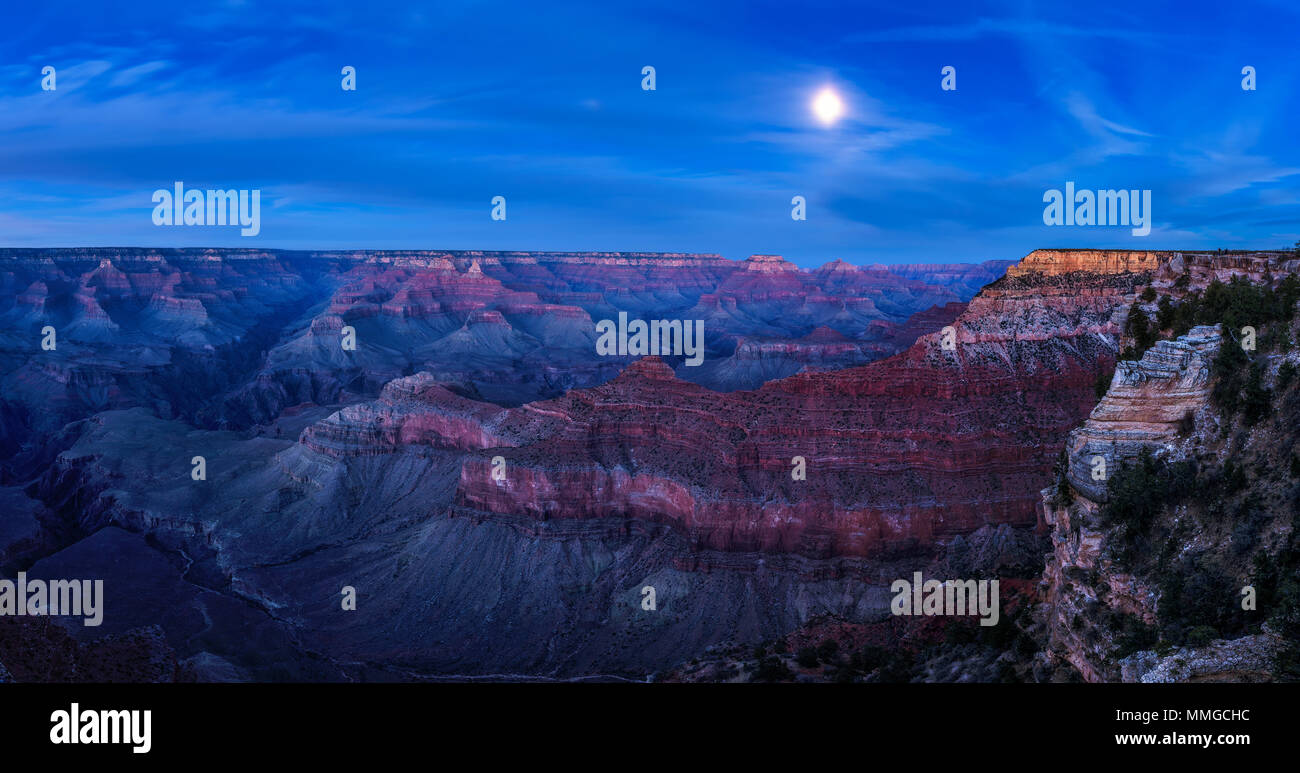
{"points": [[1195, 593], [1139, 492], [869, 658], [1102, 384], [1288, 293], [898, 668], [1227, 371], [772, 669], [1249, 520], [1165, 313], [1064, 493], [1201, 635], [1285, 375], [1256, 399], [1235, 304], [1138, 327], [1133, 635], [1234, 477]]}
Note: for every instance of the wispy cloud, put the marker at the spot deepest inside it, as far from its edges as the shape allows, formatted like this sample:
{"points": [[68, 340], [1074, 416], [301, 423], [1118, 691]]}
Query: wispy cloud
{"points": [[131, 75], [1006, 27]]}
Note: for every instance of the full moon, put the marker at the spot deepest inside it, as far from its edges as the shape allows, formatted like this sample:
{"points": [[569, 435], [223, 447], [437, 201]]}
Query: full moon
{"points": [[827, 106]]}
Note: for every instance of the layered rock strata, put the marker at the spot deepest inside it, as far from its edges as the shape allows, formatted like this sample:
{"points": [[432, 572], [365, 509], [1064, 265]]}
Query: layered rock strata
{"points": [[898, 454]]}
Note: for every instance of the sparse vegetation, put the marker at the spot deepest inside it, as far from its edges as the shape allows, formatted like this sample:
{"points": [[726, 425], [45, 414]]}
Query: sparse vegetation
{"points": [[1277, 587], [1165, 313], [1285, 375], [1102, 384], [1133, 635], [1064, 493], [1256, 399], [1138, 327], [1201, 635], [1234, 477], [1237, 303], [1227, 370], [1139, 491], [1184, 616], [772, 669]]}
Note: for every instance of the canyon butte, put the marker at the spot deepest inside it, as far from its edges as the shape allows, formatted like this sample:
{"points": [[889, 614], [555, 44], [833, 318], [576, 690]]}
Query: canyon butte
{"points": [[498, 497]]}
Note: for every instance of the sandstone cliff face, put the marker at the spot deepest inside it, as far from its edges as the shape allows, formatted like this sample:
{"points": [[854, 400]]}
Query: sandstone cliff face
{"points": [[1145, 405], [413, 411], [1051, 262], [1201, 268]]}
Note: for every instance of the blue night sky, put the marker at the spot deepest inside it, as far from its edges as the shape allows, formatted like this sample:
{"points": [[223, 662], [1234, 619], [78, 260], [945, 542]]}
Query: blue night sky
{"points": [[541, 102]]}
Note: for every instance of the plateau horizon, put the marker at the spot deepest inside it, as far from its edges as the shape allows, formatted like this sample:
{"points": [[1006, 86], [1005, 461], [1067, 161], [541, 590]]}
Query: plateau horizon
{"points": [[387, 254]]}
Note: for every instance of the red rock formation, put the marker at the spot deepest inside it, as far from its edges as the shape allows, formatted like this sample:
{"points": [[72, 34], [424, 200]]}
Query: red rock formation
{"points": [[409, 411], [899, 453]]}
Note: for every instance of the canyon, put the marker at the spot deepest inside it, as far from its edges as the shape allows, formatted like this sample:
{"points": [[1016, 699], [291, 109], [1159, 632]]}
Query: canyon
{"points": [[498, 495]]}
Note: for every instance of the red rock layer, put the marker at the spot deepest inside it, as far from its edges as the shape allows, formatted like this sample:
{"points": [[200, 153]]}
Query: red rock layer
{"points": [[898, 453]]}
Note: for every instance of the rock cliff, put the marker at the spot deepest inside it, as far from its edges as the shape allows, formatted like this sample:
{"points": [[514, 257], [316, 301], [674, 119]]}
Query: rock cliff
{"points": [[1173, 515]]}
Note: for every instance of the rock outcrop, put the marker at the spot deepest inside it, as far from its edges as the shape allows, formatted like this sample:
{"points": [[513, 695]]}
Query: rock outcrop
{"points": [[1148, 403], [1054, 262], [1142, 409]]}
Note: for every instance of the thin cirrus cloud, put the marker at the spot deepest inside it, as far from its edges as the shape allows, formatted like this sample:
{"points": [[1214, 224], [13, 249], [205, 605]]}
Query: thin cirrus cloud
{"points": [[131, 75]]}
